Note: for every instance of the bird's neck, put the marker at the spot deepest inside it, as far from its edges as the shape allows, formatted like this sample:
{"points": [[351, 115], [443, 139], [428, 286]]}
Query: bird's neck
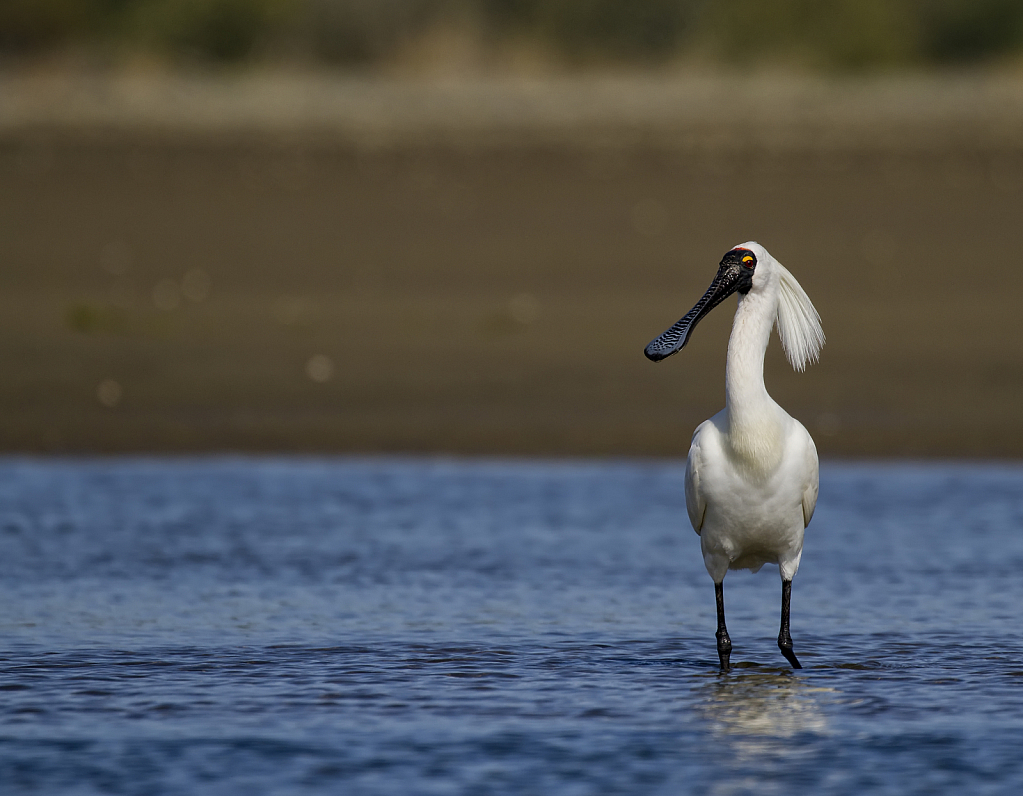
{"points": [[753, 419]]}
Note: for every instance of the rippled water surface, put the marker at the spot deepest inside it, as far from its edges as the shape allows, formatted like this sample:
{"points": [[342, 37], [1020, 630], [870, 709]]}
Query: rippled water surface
{"points": [[235, 626]]}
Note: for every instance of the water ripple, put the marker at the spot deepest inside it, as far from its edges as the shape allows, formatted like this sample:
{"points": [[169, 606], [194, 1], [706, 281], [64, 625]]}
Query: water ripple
{"points": [[438, 627]]}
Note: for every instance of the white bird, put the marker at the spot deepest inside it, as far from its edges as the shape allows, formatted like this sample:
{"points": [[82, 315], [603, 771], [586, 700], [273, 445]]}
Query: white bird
{"points": [[752, 474]]}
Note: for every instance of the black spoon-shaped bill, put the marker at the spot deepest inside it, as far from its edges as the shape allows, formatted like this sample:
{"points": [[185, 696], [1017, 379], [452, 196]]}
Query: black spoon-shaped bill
{"points": [[730, 277]]}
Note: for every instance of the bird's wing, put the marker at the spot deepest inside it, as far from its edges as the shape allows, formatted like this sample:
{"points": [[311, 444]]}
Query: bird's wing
{"points": [[811, 486], [696, 503]]}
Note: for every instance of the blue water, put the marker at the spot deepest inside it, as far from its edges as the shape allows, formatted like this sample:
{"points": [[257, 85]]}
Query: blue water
{"points": [[401, 627]]}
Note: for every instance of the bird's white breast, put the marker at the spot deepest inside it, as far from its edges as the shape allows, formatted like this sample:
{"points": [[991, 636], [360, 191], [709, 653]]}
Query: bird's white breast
{"points": [[753, 508]]}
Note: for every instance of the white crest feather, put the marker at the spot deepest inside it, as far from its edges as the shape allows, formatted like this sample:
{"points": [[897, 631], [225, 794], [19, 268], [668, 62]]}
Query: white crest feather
{"points": [[799, 325]]}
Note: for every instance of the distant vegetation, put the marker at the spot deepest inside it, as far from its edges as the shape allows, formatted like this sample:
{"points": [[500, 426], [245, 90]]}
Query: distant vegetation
{"points": [[836, 35]]}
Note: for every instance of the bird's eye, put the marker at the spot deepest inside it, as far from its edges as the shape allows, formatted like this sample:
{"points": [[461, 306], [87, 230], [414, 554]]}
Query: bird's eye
{"points": [[747, 261]]}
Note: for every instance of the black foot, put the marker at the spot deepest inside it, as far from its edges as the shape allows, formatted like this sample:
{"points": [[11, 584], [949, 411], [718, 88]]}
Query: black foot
{"points": [[724, 643], [724, 650], [785, 645], [784, 638]]}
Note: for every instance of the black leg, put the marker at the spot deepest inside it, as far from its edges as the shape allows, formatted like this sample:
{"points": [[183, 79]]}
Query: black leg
{"points": [[724, 643], [784, 639]]}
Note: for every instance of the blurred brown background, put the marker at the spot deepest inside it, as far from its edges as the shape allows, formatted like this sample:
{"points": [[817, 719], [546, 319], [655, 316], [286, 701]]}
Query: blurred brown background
{"points": [[452, 227]]}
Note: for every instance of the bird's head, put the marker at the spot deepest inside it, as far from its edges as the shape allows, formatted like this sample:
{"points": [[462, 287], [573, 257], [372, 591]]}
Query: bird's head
{"points": [[737, 272]]}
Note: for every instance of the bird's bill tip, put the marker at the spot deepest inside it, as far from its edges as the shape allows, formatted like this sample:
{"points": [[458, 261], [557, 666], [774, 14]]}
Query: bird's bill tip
{"points": [[657, 351]]}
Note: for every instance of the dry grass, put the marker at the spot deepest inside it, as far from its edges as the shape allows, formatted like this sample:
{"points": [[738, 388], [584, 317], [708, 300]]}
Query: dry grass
{"points": [[483, 292]]}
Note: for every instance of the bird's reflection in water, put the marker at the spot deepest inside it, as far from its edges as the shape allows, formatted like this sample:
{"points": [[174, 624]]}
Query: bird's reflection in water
{"points": [[758, 711]]}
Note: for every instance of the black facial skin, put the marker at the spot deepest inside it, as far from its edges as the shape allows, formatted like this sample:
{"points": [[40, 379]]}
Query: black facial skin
{"points": [[733, 275]]}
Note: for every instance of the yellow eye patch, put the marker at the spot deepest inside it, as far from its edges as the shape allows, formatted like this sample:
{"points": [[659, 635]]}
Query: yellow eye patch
{"points": [[747, 259]]}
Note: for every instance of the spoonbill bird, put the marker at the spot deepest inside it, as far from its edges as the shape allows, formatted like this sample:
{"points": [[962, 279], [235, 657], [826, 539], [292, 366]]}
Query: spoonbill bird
{"points": [[751, 476]]}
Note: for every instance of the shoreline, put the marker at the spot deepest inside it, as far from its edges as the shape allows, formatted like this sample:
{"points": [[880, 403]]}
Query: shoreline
{"points": [[772, 113]]}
